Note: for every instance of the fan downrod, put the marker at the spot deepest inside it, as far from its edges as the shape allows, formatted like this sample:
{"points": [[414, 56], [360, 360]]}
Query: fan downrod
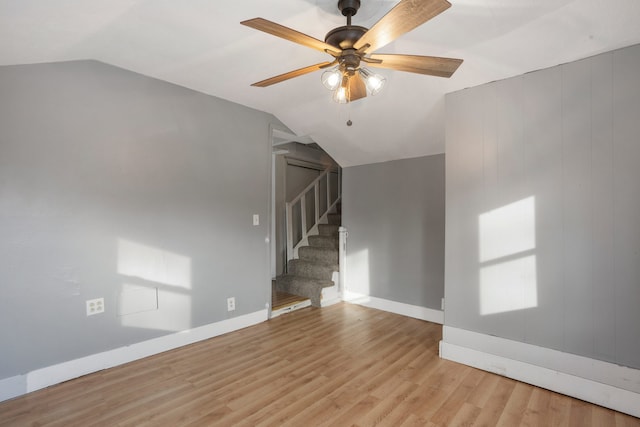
{"points": [[345, 37]]}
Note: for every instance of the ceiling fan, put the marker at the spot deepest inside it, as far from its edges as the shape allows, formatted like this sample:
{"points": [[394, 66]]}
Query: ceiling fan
{"points": [[352, 45]]}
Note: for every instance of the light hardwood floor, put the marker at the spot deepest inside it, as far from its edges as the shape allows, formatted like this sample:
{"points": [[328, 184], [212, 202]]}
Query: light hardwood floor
{"points": [[342, 365], [283, 299]]}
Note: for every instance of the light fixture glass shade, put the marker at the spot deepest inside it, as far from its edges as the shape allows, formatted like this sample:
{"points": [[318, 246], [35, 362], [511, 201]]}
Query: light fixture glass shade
{"points": [[374, 82], [341, 94], [331, 78]]}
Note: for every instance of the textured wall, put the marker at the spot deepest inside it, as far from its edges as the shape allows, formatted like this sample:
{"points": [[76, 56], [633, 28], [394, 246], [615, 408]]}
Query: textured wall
{"points": [[543, 208], [394, 213], [120, 186]]}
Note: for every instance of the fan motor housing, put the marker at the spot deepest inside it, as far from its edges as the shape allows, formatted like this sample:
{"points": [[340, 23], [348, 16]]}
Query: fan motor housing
{"points": [[345, 37]]}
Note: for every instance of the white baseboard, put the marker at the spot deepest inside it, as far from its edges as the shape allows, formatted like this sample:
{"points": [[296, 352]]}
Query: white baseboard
{"points": [[55, 374], [605, 384], [417, 312]]}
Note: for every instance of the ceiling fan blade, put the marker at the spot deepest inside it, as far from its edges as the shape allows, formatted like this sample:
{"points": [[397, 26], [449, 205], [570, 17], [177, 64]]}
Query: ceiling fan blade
{"points": [[404, 17], [288, 34], [430, 65], [290, 75], [357, 88]]}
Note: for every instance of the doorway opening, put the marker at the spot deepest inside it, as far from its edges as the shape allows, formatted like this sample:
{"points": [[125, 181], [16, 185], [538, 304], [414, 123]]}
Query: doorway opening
{"points": [[305, 181]]}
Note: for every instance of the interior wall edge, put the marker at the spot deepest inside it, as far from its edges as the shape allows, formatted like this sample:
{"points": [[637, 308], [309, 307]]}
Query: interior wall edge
{"points": [[409, 310]]}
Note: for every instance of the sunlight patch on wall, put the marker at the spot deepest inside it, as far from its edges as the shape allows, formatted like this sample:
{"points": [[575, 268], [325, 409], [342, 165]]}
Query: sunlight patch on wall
{"points": [[508, 286], [153, 264], [358, 271], [137, 299], [156, 291], [173, 314], [508, 271], [508, 230]]}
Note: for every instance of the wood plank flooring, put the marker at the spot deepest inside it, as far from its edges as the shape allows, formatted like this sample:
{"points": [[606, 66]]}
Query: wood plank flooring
{"points": [[284, 299], [343, 365]]}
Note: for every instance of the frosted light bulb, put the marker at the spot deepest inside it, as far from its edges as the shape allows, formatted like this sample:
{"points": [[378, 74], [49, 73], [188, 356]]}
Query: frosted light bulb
{"points": [[374, 82], [331, 79], [340, 95]]}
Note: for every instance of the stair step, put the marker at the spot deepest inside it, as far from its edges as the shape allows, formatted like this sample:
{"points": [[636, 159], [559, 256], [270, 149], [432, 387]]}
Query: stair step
{"points": [[324, 241], [328, 229], [303, 286], [321, 255], [313, 269]]}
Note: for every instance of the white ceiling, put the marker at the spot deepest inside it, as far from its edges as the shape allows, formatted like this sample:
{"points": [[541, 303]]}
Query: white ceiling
{"points": [[200, 44]]}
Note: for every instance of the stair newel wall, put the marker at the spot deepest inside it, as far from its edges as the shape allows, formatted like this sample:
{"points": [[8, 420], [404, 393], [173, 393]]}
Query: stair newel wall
{"points": [[342, 258], [316, 192]]}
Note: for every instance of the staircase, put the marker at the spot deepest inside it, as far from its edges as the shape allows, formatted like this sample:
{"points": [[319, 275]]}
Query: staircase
{"points": [[315, 272]]}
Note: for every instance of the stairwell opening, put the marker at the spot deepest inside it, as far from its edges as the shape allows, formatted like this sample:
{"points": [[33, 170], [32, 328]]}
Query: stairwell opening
{"points": [[307, 212]]}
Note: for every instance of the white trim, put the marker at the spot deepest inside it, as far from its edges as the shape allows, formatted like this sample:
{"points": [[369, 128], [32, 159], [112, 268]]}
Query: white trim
{"points": [[603, 383], [285, 137], [342, 258], [55, 374], [290, 308], [415, 311], [331, 295]]}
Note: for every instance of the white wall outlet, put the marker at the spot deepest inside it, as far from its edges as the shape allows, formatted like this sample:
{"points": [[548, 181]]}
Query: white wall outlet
{"points": [[256, 219], [231, 304], [95, 306]]}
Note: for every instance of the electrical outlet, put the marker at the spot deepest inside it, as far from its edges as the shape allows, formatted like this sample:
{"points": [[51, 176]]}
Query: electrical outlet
{"points": [[231, 304], [256, 219], [95, 306]]}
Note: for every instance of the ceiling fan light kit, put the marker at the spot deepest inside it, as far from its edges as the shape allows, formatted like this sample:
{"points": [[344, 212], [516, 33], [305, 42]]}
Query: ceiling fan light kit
{"points": [[337, 80], [374, 82], [331, 79], [352, 45], [340, 95]]}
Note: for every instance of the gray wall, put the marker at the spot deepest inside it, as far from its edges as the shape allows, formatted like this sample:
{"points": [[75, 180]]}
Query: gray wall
{"points": [[543, 208], [120, 186], [298, 178], [394, 213]]}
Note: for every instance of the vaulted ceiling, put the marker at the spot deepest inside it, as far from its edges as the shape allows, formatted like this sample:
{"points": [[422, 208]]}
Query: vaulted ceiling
{"points": [[200, 44]]}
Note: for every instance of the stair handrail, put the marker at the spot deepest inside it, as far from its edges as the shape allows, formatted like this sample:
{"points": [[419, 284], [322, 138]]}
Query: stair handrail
{"points": [[292, 247]]}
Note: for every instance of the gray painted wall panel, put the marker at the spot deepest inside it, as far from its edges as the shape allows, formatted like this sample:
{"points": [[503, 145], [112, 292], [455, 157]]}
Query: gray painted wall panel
{"points": [[543, 138], [602, 206], [576, 192], [567, 139], [509, 125], [626, 132], [110, 182], [490, 146], [494, 175], [461, 227], [394, 213]]}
